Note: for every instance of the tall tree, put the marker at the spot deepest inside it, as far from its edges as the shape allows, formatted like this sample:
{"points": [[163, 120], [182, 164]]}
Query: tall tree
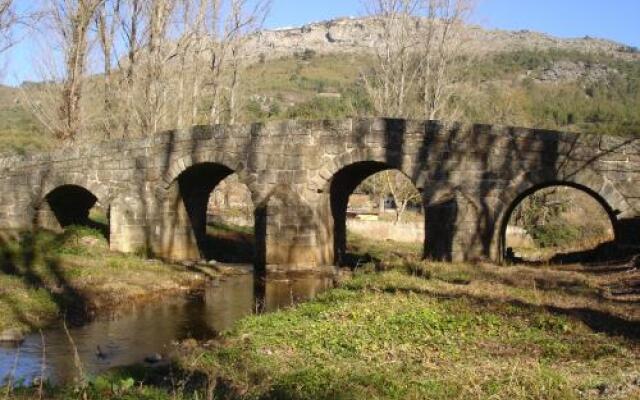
{"points": [[230, 23], [393, 77], [131, 32], [71, 20], [415, 62], [439, 55], [159, 14], [8, 19], [107, 21]]}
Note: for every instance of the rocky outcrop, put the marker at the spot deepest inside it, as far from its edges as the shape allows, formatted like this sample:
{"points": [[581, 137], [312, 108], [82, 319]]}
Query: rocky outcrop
{"points": [[357, 35], [568, 71]]}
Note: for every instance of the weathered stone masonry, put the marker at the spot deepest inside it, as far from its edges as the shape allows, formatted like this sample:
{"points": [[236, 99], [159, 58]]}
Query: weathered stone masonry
{"points": [[300, 174]]}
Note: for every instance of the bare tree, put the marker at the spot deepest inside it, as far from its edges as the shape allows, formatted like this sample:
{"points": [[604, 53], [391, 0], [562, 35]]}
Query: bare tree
{"points": [[130, 32], [393, 77], [415, 62], [164, 64], [71, 20], [57, 102], [8, 19], [228, 30], [107, 21], [199, 29], [153, 112], [439, 55], [402, 191], [395, 184]]}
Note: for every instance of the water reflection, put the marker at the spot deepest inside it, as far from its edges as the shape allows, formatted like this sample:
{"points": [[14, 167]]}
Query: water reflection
{"points": [[283, 293], [131, 336]]}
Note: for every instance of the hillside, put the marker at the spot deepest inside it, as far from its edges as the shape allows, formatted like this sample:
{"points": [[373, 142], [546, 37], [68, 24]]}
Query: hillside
{"points": [[517, 78], [361, 35]]}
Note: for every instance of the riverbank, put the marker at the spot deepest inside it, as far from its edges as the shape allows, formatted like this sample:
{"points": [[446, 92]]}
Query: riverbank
{"points": [[46, 276], [403, 329], [406, 329]]}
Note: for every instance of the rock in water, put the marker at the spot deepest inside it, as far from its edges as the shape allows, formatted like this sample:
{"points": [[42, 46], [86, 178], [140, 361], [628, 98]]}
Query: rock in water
{"points": [[11, 335], [153, 358]]}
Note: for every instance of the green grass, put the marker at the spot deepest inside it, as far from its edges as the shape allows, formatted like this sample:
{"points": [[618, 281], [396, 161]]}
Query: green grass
{"points": [[20, 133], [361, 341], [408, 329]]}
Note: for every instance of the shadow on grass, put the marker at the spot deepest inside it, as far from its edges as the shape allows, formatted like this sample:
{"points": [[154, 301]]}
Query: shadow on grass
{"points": [[34, 258], [607, 258], [622, 263], [597, 320]]}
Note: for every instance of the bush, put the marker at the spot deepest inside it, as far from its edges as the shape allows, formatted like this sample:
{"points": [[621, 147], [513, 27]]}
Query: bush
{"points": [[555, 235], [306, 55], [319, 108]]}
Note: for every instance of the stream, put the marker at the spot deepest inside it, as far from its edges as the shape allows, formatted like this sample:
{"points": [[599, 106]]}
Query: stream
{"points": [[129, 337]]}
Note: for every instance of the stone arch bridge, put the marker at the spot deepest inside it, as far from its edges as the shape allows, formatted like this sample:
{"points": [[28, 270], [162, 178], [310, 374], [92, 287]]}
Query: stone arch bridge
{"points": [[301, 173]]}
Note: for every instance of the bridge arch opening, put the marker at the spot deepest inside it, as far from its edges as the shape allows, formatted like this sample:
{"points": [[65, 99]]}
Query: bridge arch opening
{"points": [[373, 200], [220, 212], [558, 223], [73, 205]]}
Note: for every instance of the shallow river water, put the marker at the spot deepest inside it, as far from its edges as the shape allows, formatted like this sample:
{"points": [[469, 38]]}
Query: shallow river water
{"points": [[135, 334]]}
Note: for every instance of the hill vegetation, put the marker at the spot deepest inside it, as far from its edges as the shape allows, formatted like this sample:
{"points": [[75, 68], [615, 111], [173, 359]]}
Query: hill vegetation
{"points": [[554, 89]]}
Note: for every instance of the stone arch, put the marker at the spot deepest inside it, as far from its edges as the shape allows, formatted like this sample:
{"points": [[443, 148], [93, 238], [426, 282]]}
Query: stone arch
{"points": [[321, 181], [338, 189], [65, 205], [48, 185], [184, 201], [587, 182], [182, 164]]}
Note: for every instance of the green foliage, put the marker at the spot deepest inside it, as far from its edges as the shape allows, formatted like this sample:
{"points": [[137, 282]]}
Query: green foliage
{"points": [[255, 111], [499, 89], [608, 106], [319, 108], [352, 102], [314, 84], [554, 235], [554, 218], [20, 133]]}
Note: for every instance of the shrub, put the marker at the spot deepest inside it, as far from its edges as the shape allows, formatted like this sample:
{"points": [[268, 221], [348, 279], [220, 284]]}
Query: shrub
{"points": [[555, 235]]}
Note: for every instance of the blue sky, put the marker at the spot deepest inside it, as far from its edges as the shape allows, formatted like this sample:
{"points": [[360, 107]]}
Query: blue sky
{"points": [[611, 19]]}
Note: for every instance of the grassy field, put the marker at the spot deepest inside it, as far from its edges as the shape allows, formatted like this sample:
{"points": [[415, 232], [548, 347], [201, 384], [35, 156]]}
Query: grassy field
{"points": [[406, 329], [46, 276]]}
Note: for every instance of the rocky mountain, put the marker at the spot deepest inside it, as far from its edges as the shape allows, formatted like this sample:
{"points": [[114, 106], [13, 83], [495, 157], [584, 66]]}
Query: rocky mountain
{"points": [[356, 35]]}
